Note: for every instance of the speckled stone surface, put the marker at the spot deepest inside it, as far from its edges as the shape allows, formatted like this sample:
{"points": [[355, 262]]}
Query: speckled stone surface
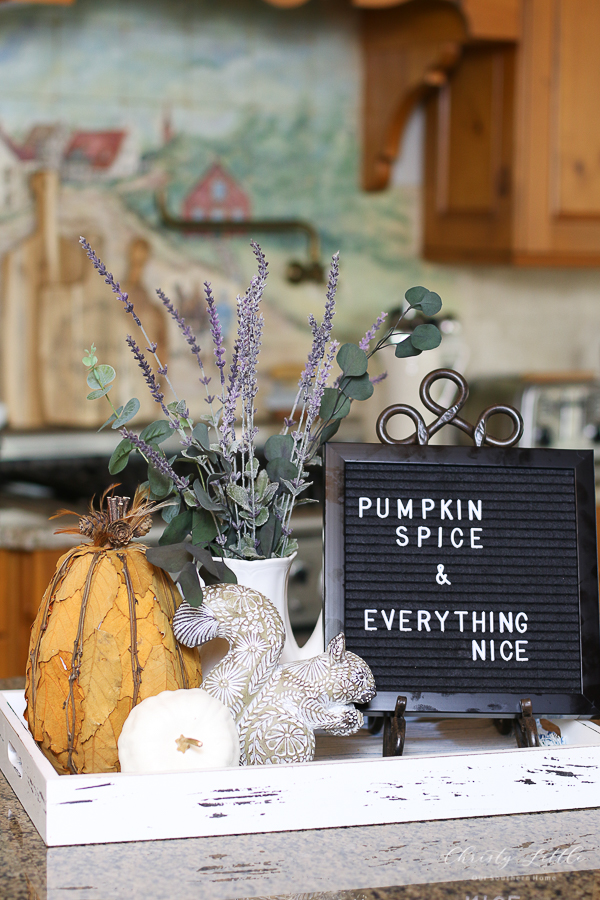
{"points": [[545, 855]]}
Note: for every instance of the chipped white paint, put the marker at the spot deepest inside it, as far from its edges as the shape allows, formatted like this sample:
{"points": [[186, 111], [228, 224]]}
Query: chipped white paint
{"points": [[88, 809]]}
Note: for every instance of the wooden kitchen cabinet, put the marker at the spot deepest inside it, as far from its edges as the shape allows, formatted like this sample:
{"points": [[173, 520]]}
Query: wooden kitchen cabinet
{"points": [[512, 147], [24, 576]]}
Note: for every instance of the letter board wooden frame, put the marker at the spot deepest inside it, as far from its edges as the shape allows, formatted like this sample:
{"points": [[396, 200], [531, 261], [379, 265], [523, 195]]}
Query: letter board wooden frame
{"points": [[499, 601]]}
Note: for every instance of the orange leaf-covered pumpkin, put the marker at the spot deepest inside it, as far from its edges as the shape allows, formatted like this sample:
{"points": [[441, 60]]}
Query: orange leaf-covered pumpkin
{"points": [[102, 641]]}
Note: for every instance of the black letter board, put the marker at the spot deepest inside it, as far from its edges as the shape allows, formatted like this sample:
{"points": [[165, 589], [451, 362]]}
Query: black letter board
{"points": [[466, 577]]}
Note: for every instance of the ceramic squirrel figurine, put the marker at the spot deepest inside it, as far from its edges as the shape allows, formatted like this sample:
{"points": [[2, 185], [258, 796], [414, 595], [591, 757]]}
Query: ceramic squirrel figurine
{"points": [[276, 708], [279, 723], [254, 631]]}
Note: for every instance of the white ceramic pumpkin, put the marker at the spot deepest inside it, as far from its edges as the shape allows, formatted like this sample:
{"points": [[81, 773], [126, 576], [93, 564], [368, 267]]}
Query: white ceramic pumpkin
{"points": [[178, 731]]}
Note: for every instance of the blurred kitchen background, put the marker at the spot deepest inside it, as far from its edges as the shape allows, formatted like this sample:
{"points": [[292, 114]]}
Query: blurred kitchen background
{"points": [[449, 143]]}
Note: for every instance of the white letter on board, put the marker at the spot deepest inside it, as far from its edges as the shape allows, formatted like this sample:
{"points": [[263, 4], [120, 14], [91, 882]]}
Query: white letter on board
{"points": [[442, 618], [460, 543], [364, 503], [445, 509], [402, 619], [369, 613], [475, 510], [402, 539], [405, 510], [478, 651], [427, 506], [423, 532], [461, 613], [520, 648], [388, 622], [387, 508], [475, 537], [520, 625], [423, 618]]}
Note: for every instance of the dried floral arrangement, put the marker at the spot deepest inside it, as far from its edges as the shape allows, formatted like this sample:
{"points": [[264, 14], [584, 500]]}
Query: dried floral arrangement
{"points": [[236, 508]]}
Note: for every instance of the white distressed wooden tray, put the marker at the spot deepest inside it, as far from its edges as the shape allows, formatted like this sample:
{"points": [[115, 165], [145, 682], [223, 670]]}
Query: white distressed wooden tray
{"points": [[439, 778]]}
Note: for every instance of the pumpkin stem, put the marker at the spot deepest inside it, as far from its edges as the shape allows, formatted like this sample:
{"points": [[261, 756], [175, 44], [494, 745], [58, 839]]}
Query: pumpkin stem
{"points": [[184, 743]]}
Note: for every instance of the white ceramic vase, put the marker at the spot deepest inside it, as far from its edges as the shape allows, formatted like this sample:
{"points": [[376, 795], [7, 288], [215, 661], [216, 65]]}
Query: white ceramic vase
{"points": [[270, 577]]}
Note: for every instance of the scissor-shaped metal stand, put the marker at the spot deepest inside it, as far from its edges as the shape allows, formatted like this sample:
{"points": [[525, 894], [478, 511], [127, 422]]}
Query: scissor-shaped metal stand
{"points": [[394, 725], [478, 432]]}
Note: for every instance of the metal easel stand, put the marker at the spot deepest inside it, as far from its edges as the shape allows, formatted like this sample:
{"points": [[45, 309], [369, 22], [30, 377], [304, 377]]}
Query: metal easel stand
{"points": [[523, 727], [394, 724]]}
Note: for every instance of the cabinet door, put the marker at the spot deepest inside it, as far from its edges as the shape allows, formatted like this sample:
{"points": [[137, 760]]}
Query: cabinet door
{"points": [[469, 149], [24, 577], [558, 134]]}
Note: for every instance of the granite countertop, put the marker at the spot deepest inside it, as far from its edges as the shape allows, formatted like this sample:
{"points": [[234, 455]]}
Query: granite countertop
{"points": [[542, 856]]}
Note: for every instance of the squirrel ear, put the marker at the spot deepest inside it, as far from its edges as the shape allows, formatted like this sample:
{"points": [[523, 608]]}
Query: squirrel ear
{"points": [[337, 647]]}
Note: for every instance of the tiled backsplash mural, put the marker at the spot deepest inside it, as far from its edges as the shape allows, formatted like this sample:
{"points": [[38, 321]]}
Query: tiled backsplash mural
{"points": [[229, 110], [232, 110]]}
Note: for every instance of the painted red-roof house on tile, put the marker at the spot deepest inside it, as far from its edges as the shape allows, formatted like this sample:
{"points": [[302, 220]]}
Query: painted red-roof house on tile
{"points": [[100, 154], [217, 196]]}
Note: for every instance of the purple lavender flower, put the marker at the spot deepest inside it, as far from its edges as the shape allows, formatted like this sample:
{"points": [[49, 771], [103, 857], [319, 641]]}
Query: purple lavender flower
{"points": [[370, 334], [322, 332], [149, 376], [314, 402], [379, 378], [109, 280], [216, 331], [185, 329], [156, 459]]}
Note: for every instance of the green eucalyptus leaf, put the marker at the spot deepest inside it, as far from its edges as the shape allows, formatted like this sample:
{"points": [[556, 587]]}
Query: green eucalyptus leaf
{"points": [[172, 557], [204, 498], [204, 529], [329, 431], [426, 337], [95, 395], [156, 432], [405, 349], [226, 575], [414, 295], [168, 513], [279, 445], [190, 584], [269, 535], [352, 360], [100, 376], [178, 528], [334, 405], [127, 413], [201, 435], [431, 304], [280, 468], [358, 388], [111, 418], [120, 457], [204, 559], [160, 485]]}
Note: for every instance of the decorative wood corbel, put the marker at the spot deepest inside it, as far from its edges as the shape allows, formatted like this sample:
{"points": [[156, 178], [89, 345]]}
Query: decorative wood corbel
{"points": [[408, 50]]}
